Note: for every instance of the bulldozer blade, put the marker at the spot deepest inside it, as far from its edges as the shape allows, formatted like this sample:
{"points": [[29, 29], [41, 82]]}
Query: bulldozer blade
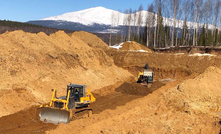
{"points": [[55, 116]]}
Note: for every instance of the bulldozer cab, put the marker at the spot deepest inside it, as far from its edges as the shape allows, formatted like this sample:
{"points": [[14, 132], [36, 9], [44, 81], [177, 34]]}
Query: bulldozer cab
{"points": [[76, 91]]}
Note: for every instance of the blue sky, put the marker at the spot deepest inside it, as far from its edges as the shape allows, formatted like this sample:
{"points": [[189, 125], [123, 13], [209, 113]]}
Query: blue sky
{"points": [[25, 10]]}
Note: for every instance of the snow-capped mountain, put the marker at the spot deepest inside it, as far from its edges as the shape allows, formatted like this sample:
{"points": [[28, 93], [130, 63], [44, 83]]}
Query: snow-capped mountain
{"points": [[99, 15], [100, 19], [103, 16]]}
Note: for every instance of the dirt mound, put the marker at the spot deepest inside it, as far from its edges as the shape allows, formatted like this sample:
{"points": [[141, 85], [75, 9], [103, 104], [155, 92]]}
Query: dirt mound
{"points": [[132, 45], [38, 63], [91, 39], [201, 95], [190, 107], [15, 100]]}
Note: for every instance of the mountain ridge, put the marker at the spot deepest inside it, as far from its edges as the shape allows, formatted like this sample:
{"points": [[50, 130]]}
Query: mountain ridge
{"points": [[86, 17], [100, 19]]}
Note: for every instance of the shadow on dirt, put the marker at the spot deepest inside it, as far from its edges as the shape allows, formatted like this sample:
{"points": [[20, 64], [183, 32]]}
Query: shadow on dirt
{"points": [[122, 95], [24, 122], [138, 88]]}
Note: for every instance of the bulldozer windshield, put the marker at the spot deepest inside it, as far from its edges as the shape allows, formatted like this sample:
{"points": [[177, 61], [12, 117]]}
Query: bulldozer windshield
{"points": [[77, 93]]}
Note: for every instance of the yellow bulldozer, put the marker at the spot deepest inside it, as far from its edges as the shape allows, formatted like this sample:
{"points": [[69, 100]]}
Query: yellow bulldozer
{"points": [[62, 109], [146, 76]]}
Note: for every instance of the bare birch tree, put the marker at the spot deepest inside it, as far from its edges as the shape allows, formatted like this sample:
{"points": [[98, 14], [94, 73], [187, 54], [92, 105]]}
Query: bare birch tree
{"points": [[118, 17], [112, 25], [219, 27], [149, 21], [185, 8], [194, 12], [139, 21], [124, 30], [134, 23], [166, 14], [207, 14], [174, 6], [197, 12], [213, 17], [216, 12], [157, 7], [129, 20]]}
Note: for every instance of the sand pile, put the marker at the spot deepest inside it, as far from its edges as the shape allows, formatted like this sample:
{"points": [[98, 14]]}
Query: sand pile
{"points": [[190, 107], [16, 99], [36, 63], [91, 39], [134, 46], [199, 96]]}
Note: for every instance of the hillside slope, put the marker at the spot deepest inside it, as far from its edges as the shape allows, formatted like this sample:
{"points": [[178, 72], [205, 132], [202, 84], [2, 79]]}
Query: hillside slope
{"points": [[32, 64]]}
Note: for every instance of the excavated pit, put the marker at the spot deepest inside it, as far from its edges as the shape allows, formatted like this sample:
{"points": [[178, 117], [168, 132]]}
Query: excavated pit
{"points": [[160, 73], [32, 63], [109, 97]]}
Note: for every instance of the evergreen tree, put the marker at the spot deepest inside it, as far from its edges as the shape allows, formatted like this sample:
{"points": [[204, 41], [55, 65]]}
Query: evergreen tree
{"points": [[202, 40], [219, 39], [151, 40], [160, 28], [144, 35], [209, 38], [183, 40], [167, 36], [216, 37]]}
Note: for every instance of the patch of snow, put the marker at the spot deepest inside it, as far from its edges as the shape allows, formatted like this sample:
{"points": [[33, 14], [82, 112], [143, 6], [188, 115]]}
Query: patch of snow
{"points": [[143, 51], [108, 31], [139, 51], [132, 41], [199, 54], [162, 48], [178, 53], [117, 46]]}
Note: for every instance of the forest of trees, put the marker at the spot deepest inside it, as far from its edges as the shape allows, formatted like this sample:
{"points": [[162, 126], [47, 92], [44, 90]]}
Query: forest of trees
{"points": [[6, 25], [172, 23]]}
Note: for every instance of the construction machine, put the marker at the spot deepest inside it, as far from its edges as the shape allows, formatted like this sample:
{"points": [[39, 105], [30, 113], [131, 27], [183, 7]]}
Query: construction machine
{"points": [[62, 109], [146, 76]]}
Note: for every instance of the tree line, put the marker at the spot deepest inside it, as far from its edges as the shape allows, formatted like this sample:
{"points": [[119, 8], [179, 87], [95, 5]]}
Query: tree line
{"points": [[171, 23], [6, 25]]}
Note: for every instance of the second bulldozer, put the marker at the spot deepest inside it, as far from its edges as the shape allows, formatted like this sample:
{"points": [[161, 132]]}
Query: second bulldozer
{"points": [[62, 109], [146, 76]]}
